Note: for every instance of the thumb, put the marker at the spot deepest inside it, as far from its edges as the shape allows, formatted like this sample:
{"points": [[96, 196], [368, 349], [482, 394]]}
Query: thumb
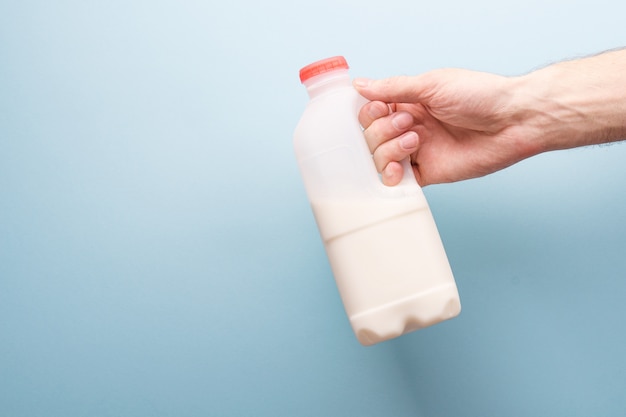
{"points": [[400, 89]]}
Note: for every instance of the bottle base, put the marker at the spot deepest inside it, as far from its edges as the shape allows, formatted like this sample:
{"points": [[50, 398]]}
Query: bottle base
{"points": [[407, 315]]}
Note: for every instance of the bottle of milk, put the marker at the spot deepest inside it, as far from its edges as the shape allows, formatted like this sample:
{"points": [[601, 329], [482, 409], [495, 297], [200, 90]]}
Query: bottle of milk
{"points": [[382, 243]]}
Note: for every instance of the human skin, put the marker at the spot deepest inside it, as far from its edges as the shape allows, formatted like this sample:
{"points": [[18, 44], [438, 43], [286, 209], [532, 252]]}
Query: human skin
{"points": [[456, 124]]}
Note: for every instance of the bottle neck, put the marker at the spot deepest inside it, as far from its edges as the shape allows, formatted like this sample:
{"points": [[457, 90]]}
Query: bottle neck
{"points": [[324, 83]]}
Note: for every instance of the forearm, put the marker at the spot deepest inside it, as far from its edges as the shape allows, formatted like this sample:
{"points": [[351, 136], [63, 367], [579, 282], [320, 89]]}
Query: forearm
{"points": [[574, 103]]}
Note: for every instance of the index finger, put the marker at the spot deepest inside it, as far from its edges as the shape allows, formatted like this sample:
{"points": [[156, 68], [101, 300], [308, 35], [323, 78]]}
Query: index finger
{"points": [[372, 111]]}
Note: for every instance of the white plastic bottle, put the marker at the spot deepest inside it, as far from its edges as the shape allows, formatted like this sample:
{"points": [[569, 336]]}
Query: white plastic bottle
{"points": [[382, 243]]}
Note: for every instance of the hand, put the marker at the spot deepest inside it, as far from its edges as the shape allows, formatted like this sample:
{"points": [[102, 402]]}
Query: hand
{"points": [[452, 124]]}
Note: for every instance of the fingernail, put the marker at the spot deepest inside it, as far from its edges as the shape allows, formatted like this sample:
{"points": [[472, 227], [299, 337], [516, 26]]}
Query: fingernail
{"points": [[361, 82], [409, 141], [402, 121], [377, 110]]}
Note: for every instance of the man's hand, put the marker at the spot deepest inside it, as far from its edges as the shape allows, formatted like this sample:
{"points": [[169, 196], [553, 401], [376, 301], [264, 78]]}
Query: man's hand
{"points": [[458, 124]]}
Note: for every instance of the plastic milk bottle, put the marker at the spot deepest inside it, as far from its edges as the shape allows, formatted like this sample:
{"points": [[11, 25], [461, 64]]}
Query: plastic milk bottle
{"points": [[382, 243]]}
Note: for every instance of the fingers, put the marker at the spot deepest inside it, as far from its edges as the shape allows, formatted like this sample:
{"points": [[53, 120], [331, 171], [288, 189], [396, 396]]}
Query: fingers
{"points": [[374, 110], [387, 156], [388, 138], [392, 174], [386, 128]]}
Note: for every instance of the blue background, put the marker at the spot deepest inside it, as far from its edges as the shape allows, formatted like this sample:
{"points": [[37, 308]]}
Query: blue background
{"points": [[158, 256]]}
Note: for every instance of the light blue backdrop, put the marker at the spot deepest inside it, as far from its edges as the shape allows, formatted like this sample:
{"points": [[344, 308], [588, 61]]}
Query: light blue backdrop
{"points": [[158, 256]]}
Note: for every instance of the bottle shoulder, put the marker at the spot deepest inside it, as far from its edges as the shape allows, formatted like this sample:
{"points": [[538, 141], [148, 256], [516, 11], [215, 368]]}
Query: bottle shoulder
{"points": [[340, 106], [328, 84]]}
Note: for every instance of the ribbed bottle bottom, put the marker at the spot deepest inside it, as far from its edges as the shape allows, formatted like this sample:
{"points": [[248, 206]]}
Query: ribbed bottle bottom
{"points": [[404, 316]]}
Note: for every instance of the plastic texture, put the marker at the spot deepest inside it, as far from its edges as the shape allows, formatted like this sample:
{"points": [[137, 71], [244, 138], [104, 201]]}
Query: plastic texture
{"points": [[322, 67], [382, 243]]}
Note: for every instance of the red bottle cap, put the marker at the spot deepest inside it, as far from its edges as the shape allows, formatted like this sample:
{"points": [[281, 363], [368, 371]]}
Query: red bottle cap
{"points": [[323, 66]]}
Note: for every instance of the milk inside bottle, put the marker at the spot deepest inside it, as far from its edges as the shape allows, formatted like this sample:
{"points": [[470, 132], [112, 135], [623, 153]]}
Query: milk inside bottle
{"points": [[382, 243]]}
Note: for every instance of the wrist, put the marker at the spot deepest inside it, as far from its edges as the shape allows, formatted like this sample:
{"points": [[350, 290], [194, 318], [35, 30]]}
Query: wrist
{"points": [[573, 103]]}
